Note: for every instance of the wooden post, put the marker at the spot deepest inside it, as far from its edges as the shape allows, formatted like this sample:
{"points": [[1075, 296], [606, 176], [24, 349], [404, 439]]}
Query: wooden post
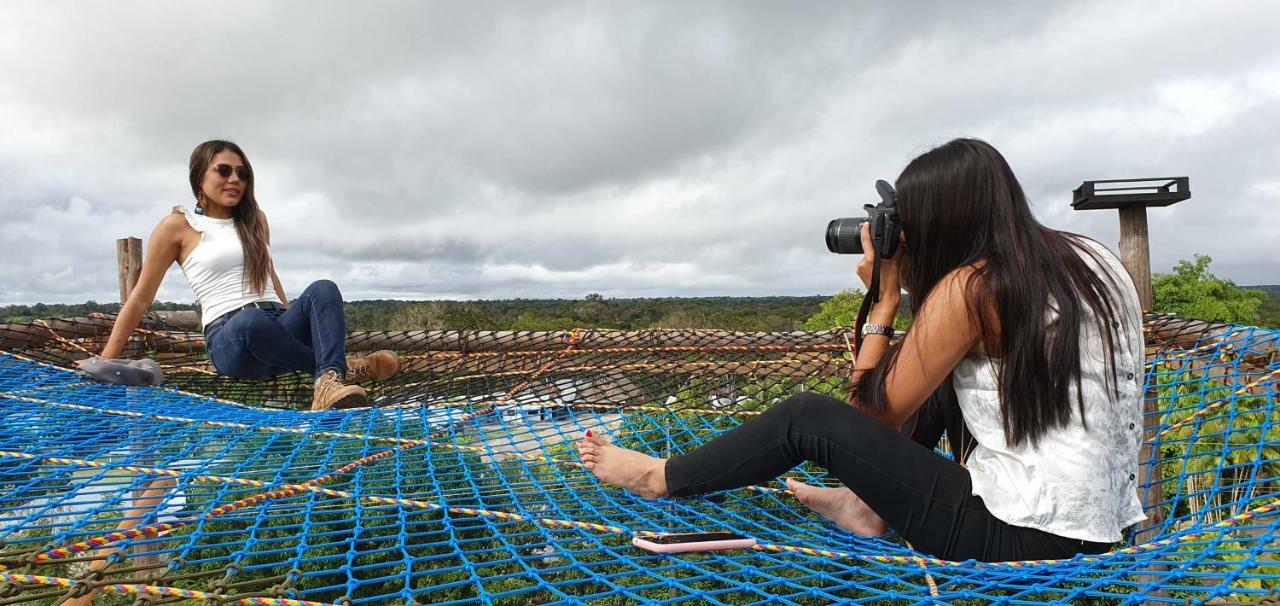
{"points": [[129, 265], [1135, 251], [129, 262], [1136, 256], [1132, 197], [1151, 484]]}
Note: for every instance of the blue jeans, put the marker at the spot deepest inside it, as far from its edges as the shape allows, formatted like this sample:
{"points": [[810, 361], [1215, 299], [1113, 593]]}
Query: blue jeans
{"points": [[310, 336]]}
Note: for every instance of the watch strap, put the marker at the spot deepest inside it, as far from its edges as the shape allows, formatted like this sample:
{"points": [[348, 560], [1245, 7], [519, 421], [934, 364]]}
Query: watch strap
{"points": [[877, 329]]}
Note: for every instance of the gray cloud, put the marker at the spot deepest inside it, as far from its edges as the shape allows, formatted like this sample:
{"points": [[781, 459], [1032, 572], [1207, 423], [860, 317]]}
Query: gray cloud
{"points": [[489, 149]]}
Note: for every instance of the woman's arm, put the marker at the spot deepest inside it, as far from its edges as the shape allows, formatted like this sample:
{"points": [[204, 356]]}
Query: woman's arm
{"points": [[162, 250], [940, 336], [275, 279], [279, 287]]}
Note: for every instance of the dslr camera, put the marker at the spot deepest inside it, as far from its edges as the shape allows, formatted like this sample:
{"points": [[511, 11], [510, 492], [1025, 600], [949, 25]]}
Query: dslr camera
{"points": [[844, 235]]}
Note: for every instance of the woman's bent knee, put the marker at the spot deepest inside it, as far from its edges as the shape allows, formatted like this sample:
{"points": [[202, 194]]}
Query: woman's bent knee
{"points": [[324, 286], [808, 403], [816, 411], [323, 289]]}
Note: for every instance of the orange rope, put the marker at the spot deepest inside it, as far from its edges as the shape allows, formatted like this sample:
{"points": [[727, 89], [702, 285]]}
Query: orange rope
{"points": [[59, 338]]}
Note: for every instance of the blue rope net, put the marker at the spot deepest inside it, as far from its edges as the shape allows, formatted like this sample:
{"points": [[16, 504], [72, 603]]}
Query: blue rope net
{"points": [[462, 486]]}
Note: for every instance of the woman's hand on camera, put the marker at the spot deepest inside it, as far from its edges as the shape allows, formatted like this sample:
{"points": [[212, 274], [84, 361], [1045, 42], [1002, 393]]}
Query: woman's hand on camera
{"points": [[890, 272]]}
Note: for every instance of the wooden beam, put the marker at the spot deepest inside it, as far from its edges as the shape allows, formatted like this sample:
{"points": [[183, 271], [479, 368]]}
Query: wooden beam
{"points": [[472, 341], [26, 336], [189, 320], [508, 340], [1163, 331]]}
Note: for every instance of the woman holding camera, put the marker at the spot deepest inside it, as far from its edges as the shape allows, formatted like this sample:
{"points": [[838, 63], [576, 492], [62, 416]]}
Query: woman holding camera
{"points": [[251, 331], [1026, 348]]}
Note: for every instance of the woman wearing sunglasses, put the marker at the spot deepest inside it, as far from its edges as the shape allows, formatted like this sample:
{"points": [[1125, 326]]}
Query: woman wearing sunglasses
{"points": [[251, 331], [1026, 348]]}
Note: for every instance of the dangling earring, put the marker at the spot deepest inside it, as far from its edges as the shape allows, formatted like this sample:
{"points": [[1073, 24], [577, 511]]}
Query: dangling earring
{"points": [[200, 203]]}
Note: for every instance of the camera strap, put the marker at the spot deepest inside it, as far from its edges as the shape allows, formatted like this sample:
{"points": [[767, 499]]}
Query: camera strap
{"points": [[873, 295]]}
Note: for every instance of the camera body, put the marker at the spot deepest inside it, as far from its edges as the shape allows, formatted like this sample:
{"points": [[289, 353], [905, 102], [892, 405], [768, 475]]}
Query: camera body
{"points": [[844, 235]]}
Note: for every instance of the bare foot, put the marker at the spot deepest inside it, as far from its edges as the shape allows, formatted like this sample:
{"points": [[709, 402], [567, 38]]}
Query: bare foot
{"points": [[626, 469], [840, 505]]}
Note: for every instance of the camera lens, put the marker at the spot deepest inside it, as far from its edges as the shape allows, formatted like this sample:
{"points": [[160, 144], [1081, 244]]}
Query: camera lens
{"points": [[844, 236]]}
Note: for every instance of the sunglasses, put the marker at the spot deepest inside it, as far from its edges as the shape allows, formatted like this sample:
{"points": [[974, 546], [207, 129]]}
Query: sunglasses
{"points": [[224, 171]]}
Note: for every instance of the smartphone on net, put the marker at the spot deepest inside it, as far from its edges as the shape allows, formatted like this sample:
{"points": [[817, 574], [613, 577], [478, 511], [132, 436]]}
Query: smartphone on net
{"points": [[693, 541]]}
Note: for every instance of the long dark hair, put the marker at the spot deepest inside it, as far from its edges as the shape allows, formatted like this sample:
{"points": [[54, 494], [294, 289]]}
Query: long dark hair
{"points": [[961, 205], [253, 234]]}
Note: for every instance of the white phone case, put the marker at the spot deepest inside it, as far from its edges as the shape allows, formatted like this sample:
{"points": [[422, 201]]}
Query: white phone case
{"points": [[743, 543]]}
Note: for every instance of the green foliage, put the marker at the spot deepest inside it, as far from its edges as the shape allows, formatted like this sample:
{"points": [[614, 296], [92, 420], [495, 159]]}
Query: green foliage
{"points": [[759, 314], [841, 310], [1269, 311], [594, 311], [1218, 466], [1192, 292], [26, 313], [429, 315]]}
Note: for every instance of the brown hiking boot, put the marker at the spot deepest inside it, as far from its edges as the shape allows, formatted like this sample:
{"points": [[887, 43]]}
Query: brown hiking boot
{"points": [[377, 366], [331, 393]]}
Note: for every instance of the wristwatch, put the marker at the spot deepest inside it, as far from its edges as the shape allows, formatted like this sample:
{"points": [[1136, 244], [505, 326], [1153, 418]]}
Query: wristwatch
{"points": [[877, 329]]}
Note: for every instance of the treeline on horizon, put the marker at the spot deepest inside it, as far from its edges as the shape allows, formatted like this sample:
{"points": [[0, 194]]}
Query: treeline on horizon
{"points": [[768, 314]]}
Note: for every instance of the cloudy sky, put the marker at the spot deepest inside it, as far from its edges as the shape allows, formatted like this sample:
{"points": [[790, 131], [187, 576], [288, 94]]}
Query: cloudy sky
{"points": [[552, 149]]}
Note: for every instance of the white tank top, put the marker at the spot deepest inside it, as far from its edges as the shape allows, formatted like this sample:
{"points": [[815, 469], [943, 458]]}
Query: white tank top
{"points": [[215, 268], [1078, 483]]}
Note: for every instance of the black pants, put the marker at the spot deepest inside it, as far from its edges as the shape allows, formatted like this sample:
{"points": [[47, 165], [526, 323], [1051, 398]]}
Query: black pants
{"points": [[922, 495]]}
